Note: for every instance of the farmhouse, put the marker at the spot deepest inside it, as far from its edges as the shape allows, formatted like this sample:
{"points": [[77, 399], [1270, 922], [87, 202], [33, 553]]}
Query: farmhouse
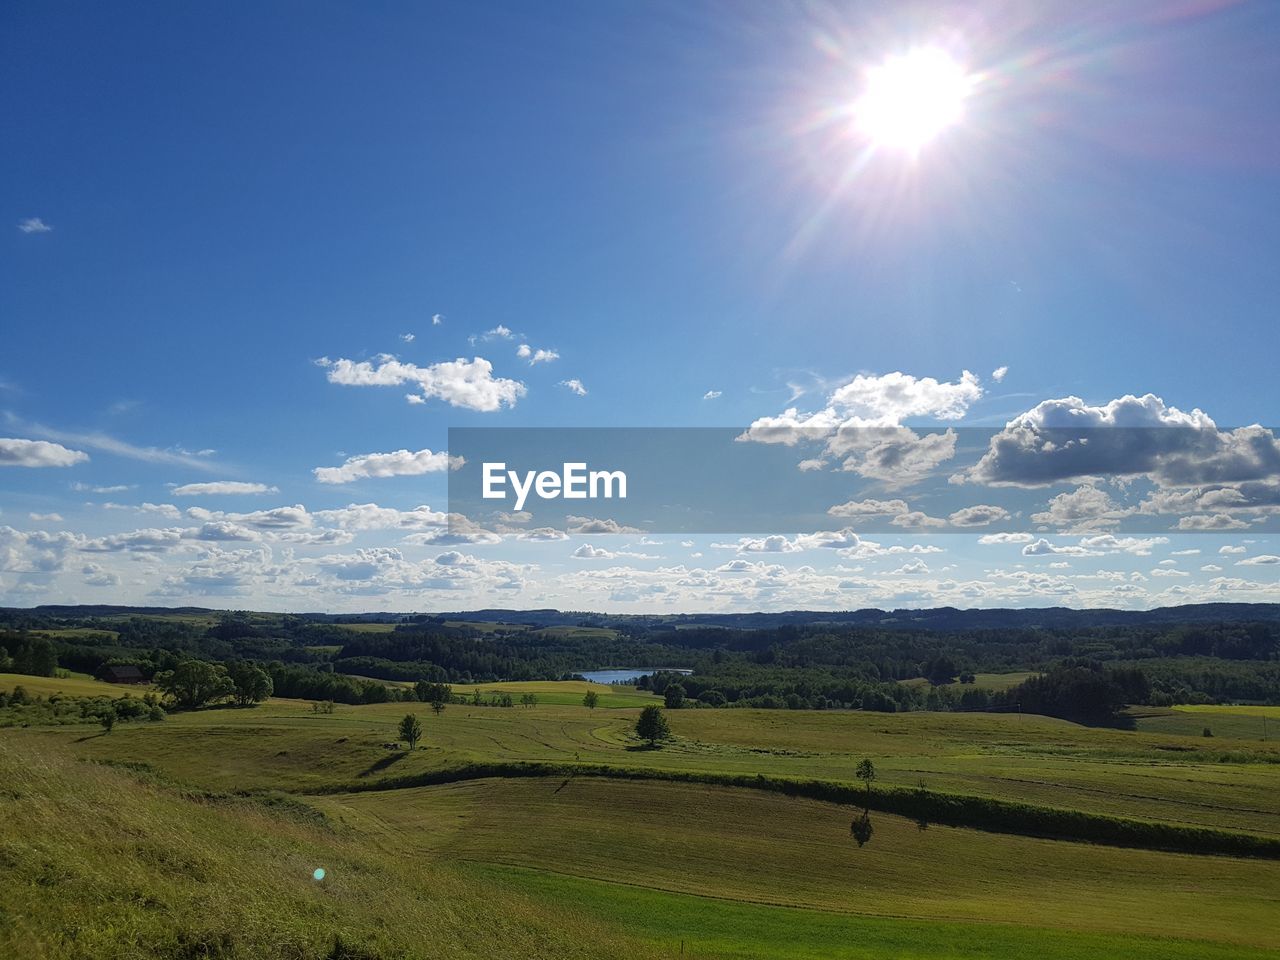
{"points": [[121, 673]]}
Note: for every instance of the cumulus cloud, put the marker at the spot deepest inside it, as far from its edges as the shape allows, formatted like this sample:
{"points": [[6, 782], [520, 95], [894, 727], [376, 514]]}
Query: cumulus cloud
{"points": [[979, 515], [870, 401], [15, 452], [34, 225], [593, 525], [1265, 559], [95, 575], [222, 487], [999, 373], [46, 517], [398, 463], [407, 337], [1086, 507], [526, 352], [574, 386], [588, 552], [469, 384], [712, 394], [991, 539], [1070, 440]]}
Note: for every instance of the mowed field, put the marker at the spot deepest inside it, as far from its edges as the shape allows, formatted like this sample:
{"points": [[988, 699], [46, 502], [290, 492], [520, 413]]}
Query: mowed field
{"points": [[641, 865], [1220, 782]]}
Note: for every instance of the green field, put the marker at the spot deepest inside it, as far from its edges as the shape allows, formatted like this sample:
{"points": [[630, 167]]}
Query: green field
{"points": [[736, 872], [72, 686]]}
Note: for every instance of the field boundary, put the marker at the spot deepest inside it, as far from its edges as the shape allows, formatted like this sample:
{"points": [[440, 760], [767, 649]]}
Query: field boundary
{"points": [[926, 806]]}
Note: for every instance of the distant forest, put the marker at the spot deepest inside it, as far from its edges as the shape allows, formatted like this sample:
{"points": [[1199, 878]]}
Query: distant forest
{"points": [[1086, 665]]}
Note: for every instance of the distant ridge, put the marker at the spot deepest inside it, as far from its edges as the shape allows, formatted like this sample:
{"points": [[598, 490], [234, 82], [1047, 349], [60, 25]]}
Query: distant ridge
{"points": [[936, 618]]}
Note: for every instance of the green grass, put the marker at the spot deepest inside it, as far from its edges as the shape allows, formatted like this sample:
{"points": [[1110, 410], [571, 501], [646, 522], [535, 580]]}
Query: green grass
{"points": [[587, 866], [755, 847], [72, 686], [710, 927], [97, 864], [1218, 783]]}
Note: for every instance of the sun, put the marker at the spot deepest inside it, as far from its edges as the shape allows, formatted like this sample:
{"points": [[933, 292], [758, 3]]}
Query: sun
{"points": [[911, 98]]}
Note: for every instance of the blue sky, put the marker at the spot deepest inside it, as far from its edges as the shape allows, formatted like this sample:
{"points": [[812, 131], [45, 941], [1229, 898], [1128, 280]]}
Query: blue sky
{"points": [[202, 203]]}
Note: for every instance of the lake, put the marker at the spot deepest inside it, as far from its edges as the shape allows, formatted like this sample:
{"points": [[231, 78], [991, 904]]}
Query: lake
{"points": [[629, 675]]}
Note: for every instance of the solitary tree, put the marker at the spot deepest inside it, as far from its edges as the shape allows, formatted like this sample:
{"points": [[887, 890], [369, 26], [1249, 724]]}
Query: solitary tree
{"points": [[866, 772], [652, 725], [861, 827], [411, 730], [674, 696], [437, 705], [108, 719], [591, 699]]}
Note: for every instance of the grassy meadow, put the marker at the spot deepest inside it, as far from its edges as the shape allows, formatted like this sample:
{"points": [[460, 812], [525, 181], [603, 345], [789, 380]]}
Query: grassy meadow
{"points": [[593, 867]]}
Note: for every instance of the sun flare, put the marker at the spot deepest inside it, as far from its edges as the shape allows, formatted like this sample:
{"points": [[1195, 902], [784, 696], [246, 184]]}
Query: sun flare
{"points": [[909, 99]]}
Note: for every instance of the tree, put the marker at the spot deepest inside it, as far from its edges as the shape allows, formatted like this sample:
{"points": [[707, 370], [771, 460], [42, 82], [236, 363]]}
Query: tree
{"points": [[529, 699], [673, 695], [252, 683], [193, 683], [590, 699], [866, 772], [411, 730], [108, 719], [652, 725], [437, 705], [36, 658]]}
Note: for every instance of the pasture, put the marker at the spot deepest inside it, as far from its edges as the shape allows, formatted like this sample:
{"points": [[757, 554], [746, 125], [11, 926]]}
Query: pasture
{"points": [[593, 867]]}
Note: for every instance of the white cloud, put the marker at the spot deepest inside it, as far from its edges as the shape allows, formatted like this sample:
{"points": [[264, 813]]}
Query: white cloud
{"points": [[117, 488], [870, 402], [46, 517], [37, 453], [1067, 439], [469, 384], [869, 508], [999, 373], [525, 352], [712, 394], [501, 332], [222, 488], [437, 319], [1265, 559], [1228, 550], [991, 539], [1086, 507], [574, 386], [407, 337], [95, 575], [593, 525], [588, 552], [34, 225], [370, 516], [399, 463], [978, 516]]}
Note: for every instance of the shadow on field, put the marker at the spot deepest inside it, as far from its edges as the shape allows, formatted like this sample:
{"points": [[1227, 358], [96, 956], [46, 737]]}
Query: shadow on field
{"points": [[642, 747], [383, 762]]}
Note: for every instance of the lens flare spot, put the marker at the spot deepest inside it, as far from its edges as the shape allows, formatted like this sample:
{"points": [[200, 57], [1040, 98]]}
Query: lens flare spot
{"points": [[317, 873]]}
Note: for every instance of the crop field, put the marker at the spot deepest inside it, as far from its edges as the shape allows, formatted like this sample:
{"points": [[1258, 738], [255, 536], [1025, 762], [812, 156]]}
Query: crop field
{"points": [[641, 864]]}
